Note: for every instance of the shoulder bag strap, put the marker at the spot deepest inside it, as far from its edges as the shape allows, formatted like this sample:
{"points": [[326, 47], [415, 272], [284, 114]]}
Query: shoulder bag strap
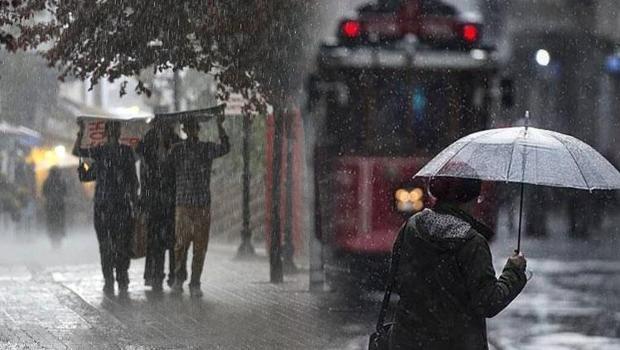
{"points": [[391, 278]]}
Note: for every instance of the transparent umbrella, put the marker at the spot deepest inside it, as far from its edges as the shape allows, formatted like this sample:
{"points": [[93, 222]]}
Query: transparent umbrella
{"points": [[525, 155]]}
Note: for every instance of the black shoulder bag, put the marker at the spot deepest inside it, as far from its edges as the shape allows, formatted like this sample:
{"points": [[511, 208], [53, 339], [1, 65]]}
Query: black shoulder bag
{"points": [[86, 174], [380, 339]]}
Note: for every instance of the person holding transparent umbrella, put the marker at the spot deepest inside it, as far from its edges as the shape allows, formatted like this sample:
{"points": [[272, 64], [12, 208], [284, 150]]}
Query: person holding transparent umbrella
{"points": [[521, 155], [444, 274]]}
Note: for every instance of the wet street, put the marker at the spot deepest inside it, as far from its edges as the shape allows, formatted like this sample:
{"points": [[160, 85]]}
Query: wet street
{"points": [[568, 303], [52, 300]]}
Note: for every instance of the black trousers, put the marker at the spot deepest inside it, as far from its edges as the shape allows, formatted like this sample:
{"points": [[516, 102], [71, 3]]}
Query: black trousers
{"points": [[55, 219], [114, 227], [160, 238]]}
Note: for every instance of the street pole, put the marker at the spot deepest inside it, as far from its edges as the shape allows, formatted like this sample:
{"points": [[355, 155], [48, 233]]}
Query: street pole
{"points": [[288, 248], [310, 196], [275, 253], [246, 249], [176, 81]]}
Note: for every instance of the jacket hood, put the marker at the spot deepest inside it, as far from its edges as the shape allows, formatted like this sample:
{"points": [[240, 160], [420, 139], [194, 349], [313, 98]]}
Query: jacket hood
{"points": [[445, 231]]}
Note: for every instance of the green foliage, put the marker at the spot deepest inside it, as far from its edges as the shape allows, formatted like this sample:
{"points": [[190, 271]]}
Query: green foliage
{"points": [[255, 47]]}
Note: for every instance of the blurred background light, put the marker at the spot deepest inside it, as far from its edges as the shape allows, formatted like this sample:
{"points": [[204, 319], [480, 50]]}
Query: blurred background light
{"points": [[543, 57]]}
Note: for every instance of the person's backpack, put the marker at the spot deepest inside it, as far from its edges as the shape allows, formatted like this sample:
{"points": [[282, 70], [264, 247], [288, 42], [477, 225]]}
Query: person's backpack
{"points": [[86, 173]]}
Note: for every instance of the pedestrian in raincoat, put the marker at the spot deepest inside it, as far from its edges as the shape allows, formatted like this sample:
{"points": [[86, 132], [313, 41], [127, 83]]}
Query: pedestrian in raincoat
{"points": [[445, 278], [54, 191], [115, 195], [192, 164], [157, 198]]}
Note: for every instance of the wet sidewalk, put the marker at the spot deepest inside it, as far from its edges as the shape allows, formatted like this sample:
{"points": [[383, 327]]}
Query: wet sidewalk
{"points": [[52, 299], [63, 307]]}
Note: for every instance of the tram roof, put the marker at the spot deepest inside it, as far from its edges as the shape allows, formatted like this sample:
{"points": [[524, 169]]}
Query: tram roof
{"points": [[405, 57]]}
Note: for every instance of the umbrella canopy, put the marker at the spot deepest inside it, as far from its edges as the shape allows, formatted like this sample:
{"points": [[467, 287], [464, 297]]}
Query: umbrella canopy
{"points": [[525, 155]]}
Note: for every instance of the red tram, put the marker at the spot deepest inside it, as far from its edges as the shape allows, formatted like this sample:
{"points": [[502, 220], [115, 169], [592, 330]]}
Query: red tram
{"points": [[403, 81]]}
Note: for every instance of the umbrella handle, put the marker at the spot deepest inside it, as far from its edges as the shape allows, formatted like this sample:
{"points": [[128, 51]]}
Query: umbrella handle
{"points": [[520, 219]]}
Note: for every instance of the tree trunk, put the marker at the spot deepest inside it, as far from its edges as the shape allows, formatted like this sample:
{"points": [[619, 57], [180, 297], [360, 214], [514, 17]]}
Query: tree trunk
{"points": [[275, 251], [246, 249], [289, 248]]}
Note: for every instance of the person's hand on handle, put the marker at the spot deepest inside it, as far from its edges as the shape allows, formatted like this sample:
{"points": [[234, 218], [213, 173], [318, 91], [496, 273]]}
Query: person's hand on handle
{"points": [[78, 141], [518, 260], [80, 133], [220, 119]]}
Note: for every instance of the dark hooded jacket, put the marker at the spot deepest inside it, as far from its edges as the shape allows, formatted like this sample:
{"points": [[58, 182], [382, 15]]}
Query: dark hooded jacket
{"points": [[159, 178], [447, 284]]}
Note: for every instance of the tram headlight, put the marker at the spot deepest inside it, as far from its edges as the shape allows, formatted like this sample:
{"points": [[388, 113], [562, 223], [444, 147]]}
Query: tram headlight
{"points": [[409, 200], [418, 205], [416, 195], [402, 195]]}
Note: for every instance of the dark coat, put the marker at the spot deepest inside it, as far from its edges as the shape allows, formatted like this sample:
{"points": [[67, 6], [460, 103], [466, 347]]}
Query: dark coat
{"points": [[159, 180], [55, 191], [447, 285], [117, 180]]}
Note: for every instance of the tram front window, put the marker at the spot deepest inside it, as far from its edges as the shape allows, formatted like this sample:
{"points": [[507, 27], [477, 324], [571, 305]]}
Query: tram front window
{"points": [[387, 114]]}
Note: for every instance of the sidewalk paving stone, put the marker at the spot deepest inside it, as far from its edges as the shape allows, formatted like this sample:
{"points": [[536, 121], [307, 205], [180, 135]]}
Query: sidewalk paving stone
{"points": [[63, 307]]}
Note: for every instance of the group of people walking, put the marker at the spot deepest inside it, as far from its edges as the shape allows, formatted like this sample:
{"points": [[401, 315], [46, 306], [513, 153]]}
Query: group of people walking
{"points": [[174, 194]]}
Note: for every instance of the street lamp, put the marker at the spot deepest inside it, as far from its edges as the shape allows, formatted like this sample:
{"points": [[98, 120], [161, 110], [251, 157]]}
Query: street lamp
{"points": [[543, 58]]}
